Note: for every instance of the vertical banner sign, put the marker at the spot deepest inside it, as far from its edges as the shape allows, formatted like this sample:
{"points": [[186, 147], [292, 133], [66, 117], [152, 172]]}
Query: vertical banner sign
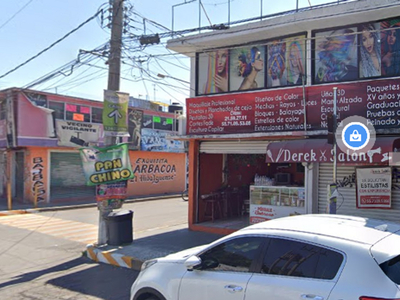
{"points": [[106, 165], [374, 186], [115, 113]]}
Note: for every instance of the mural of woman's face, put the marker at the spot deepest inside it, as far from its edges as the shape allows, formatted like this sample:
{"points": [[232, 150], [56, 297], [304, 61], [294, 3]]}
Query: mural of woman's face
{"points": [[222, 57], [391, 38], [258, 62], [294, 56], [368, 41]]}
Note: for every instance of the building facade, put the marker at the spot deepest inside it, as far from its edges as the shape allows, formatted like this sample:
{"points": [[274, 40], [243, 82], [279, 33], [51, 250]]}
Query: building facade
{"points": [[258, 115], [40, 137]]}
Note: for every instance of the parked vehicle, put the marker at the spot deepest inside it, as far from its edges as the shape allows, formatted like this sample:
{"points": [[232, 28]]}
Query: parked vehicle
{"points": [[314, 257]]}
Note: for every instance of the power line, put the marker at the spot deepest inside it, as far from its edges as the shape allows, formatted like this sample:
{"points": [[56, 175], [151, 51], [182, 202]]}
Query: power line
{"points": [[51, 46], [14, 15]]}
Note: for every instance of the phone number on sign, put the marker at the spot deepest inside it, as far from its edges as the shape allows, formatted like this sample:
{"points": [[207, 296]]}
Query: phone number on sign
{"points": [[236, 123]]}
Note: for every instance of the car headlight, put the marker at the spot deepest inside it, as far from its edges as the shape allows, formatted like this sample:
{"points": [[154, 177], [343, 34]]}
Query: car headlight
{"points": [[148, 264]]}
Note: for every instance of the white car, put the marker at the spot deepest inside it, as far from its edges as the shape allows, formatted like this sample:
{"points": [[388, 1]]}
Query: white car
{"points": [[307, 257]]}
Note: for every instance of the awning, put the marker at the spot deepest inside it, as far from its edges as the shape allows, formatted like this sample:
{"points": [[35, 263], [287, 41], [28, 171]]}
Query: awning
{"points": [[319, 151]]}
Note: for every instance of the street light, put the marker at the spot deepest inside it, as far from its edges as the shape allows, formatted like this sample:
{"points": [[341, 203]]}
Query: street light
{"points": [[168, 76]]}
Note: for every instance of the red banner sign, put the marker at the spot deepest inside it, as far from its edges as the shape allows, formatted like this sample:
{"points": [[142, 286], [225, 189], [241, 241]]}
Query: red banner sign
{"points": [[283, 110]]}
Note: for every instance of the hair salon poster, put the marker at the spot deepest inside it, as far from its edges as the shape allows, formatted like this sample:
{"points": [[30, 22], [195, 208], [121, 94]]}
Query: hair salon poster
{"points": [[374, 186]]}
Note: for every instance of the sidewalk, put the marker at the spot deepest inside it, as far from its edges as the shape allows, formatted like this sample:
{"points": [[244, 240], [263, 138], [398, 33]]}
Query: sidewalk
{"points": [[23, 208], [152, 246], [155, 243]]}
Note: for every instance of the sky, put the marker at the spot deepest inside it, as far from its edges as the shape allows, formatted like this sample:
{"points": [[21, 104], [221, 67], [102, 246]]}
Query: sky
{"points": [[28, 27]]}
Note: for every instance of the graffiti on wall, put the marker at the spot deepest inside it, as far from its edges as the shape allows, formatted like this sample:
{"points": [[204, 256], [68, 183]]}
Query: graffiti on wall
{"points": [[349, 181], [37, 178], [154, 170], [156, 141]]}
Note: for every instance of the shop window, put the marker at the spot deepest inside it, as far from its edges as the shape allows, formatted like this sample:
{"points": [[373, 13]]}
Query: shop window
{"points": [[97, 115], [77, 113], [299, 168], [58, 108], [3, 110], [163, 123]]}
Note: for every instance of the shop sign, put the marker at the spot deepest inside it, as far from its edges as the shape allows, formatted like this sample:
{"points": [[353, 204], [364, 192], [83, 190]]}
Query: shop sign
{"points": [[154, 170], [77, 134], [283, 110], [267, 203], [374, 187], [115, 112], [106, 165], [261, 213], [318, 151]]}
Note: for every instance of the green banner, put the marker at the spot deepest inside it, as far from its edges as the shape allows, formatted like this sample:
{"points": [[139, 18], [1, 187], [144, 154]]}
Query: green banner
{"points": [[170, 121], [106, 165], [156, 119], [115, 110]]}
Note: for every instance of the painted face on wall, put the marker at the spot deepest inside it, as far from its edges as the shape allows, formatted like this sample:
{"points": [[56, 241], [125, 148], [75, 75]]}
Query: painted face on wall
{"points": [[222, 57], [391, 39], [258, 62], [368, 41], [294, 56]]}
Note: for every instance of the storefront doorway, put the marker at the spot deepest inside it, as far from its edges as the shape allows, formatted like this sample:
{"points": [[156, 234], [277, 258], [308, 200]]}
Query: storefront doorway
{"points": [[226, 181]]}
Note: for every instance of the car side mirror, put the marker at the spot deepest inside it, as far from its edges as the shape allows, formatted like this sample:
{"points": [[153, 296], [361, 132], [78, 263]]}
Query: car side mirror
{"points": [[192, 262]]}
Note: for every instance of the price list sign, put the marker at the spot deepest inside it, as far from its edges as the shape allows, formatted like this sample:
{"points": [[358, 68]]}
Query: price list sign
{"points": [[286, 110], [220, 115]]}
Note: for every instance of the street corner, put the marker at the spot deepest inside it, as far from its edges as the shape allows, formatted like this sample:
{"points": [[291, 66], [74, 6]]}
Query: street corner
{"points": [[5, 213], [111, 256]]}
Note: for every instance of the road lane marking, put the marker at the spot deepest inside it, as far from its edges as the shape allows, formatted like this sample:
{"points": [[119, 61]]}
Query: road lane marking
{"points": [[60, 228]]}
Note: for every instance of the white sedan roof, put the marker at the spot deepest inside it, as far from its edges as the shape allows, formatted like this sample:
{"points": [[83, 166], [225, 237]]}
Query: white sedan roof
{"points": [[357, 229]]}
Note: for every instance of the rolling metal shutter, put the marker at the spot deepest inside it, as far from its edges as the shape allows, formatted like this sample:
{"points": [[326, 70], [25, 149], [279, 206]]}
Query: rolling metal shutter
{"points": [[67, 180], [346, 202], [234, 147]]}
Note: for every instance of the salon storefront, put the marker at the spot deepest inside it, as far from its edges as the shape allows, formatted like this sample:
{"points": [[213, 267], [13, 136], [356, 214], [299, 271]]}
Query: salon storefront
{"points": [[281, 176], [230, 175], [275, 85], [316, 155], [243, 147]]}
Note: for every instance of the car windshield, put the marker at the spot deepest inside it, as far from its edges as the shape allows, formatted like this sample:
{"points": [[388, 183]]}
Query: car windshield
{"points": [[392, 269]]}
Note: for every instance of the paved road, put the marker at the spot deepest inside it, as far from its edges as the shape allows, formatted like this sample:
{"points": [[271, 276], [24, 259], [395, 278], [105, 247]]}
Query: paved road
{"points": [[40, 254]]}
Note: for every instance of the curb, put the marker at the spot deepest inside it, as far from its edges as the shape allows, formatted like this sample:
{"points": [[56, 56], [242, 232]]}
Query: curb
{"points": [[77, 206], [112, 258], [13, 212]]}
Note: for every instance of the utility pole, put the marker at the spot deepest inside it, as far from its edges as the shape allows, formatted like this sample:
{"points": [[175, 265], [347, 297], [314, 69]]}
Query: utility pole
{"points": [[114, 58], [114, 72]]}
